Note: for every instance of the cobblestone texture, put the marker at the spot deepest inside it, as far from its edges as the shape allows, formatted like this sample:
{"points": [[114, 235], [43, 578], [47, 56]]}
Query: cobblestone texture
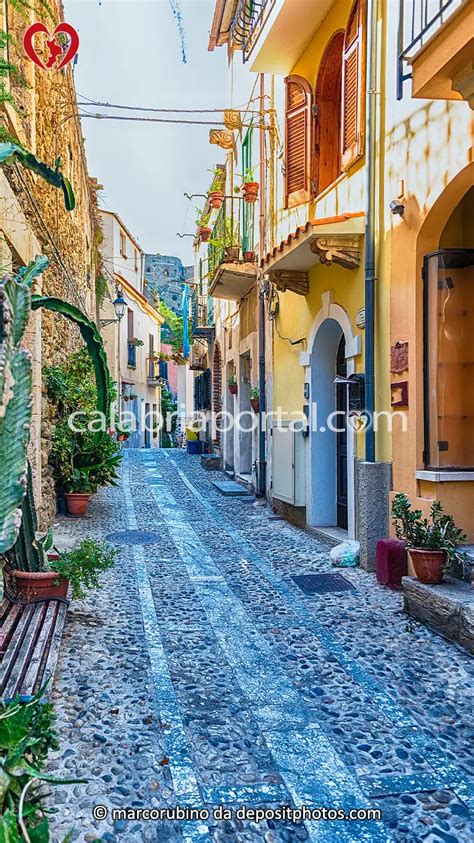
{"points": [[202, 675]]}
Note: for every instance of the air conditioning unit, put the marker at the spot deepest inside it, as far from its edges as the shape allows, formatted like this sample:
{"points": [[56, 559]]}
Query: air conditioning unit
{"points": [[288, 462]]}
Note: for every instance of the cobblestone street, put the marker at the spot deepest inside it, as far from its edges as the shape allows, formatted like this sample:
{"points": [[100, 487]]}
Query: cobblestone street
{"points": [[202, 675]]}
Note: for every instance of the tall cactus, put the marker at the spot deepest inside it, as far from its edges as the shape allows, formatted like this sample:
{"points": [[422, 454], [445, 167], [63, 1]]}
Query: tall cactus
{"points": [[15, 397]]}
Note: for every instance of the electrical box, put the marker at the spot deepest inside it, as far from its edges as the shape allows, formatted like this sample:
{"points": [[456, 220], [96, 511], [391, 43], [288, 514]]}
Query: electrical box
{"points": [[288, 461]]}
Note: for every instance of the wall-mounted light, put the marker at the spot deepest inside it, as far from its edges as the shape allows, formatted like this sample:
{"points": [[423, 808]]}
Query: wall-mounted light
{"points": [[397, 207]]}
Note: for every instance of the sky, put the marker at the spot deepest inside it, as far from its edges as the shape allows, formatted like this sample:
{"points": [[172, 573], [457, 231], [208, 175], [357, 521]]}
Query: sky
{"points": [[130, 54]]}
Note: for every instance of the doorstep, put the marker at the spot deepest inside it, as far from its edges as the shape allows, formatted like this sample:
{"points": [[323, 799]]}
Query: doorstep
{"points": [[447, 608], [334, 535]]}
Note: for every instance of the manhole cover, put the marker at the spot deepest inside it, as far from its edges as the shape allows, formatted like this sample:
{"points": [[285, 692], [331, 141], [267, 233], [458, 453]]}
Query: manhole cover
{"points": [[131, 537], [322, 583]]}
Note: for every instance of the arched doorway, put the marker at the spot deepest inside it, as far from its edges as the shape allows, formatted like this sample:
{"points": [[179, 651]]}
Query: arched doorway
{"points": [[328, 445], [328, 97]]}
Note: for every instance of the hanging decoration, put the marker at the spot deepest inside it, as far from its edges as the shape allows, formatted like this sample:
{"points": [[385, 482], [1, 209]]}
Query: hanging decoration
{"points": [[179, 21]]}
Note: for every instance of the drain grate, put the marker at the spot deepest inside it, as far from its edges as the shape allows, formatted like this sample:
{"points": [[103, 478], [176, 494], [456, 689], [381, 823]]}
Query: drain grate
{"points": [[322, 583], [133, 537]]}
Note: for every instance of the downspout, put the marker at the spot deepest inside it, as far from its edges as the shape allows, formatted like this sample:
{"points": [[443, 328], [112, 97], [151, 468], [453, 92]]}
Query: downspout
{"points": [[262, 464], [370, 247]]}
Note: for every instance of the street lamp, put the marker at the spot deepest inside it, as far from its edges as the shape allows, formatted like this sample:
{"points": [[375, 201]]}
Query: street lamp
{"points": [[119, 304]]}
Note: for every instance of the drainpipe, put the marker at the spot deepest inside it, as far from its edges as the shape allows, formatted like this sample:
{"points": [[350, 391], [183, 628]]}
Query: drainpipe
{"points": [[262, 464], [370, 249]]}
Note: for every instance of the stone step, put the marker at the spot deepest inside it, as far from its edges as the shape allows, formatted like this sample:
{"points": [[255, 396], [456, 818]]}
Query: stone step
{"points": [[231, 489]]}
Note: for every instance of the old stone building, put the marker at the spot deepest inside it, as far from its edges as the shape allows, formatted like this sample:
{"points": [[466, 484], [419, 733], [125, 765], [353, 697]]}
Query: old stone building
{"points": [[43, 118]]}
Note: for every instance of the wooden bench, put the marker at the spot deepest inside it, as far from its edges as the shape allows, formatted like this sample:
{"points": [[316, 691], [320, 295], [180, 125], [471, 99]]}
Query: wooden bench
{"points": [[30, 635]]}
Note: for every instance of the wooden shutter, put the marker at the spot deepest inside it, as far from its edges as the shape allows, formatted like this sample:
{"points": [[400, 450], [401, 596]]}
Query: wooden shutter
{"points": [[353, 85], [298, 141]]}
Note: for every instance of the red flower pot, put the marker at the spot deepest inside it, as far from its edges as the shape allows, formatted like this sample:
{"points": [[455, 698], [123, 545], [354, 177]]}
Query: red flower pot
{"points": [[249, 257], [428, 564], [216, 198], [77, 503], [122, 437], [255, 404], [250, 191], [27, 586], [233, 388], [204, 233]]}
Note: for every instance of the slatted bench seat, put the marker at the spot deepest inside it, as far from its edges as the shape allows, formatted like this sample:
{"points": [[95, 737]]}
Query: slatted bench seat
{"points": [[30, 636]]}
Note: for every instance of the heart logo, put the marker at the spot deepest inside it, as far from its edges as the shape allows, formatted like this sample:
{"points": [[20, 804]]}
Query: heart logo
{"points": [[55, 49]]}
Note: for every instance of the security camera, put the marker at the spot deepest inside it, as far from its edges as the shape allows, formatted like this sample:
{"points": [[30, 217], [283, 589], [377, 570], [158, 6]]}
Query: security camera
{"points": [[397, 207]]}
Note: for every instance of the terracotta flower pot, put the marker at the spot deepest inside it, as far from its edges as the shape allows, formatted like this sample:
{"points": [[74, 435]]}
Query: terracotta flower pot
{"points": [[255, 404], [428, 564], [250, 191], [216, 198], [233, 388], [77, 503], [232, 253], [26, 586], [122, 437], [204, 233], [249, 257]]}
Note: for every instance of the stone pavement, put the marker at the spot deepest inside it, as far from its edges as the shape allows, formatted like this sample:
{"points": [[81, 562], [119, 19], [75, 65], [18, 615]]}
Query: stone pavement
{"points": [[202, 675]]}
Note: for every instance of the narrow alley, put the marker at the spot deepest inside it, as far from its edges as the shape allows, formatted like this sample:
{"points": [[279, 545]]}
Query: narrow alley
{"points": [[202, 675]]}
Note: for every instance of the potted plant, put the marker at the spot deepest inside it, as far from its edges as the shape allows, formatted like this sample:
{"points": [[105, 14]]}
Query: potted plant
{"points": [[228, 242], [77, 491], [249, 257], [81, 567], [216, 193], [432, 542], [255, 398], [232, 384], [249, 187], [204, 232], [136, 342]]}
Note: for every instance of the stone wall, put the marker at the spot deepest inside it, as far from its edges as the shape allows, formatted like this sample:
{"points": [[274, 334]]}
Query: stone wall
{"points": [[49, 126]]}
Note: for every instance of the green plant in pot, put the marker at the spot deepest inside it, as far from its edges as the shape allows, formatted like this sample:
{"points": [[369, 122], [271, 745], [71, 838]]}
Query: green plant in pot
{"points": [[432, 543], [216, 190], [232, 384], [250, 187], [255, 398]]}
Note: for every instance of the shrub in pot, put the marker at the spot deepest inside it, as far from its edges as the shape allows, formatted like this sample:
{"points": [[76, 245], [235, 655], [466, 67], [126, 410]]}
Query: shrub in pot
{"points": [[255, 399], [432, 543], [250, 187], [82, 566], [232, 384]]}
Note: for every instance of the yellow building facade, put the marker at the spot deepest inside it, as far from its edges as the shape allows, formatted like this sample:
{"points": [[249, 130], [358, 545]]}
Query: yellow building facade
{"points": [[362, 181]]}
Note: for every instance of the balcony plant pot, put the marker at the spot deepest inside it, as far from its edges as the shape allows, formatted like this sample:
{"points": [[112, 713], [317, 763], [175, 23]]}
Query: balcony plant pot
{"points": [[255, 404], [122, 437], [233, 388], [232, 253], [77, 503], [26, 586], [428, 564], [249, 257], [216, 198], [250, 191], [204, 233]]}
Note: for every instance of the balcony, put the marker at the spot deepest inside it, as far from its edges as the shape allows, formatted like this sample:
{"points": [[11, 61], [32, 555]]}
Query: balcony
{"points": [[436, 49], [131, 355], [232, 269], [202, 317], [154, 377]]}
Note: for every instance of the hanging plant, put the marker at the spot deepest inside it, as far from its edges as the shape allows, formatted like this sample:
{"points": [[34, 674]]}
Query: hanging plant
{"points": [[136, 342]]}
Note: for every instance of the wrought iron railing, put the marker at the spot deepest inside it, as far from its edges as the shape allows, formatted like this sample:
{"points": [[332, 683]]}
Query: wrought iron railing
{"points": [[225, 242], [203, 391], [418, 21], [249, 19], [202, 314]]}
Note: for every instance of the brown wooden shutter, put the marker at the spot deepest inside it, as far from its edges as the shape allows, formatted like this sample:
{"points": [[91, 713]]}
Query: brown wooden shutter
{"points": [[353, 85], [298, 141]]}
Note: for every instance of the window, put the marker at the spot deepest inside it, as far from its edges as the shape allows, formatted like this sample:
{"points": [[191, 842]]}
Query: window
{"points": [[297, 141], [123, 245], [353, 85], [327, 140], [449, 359], [130, 323], [135, 259]]}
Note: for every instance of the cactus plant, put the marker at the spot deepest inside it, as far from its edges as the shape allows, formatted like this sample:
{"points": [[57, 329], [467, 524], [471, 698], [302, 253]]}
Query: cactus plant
{"points": [[15, 397]]}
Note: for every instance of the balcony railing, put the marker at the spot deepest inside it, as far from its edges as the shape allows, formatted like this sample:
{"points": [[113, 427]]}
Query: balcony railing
{"points": [[249, 19], [232, 237], [418, 21], [132, 355], [156, 375]]}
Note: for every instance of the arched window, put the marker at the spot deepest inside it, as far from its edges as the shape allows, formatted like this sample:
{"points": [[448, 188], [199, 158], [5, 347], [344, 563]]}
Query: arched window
{"points": [[298, 141], [353, 85], [328, 114]]}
